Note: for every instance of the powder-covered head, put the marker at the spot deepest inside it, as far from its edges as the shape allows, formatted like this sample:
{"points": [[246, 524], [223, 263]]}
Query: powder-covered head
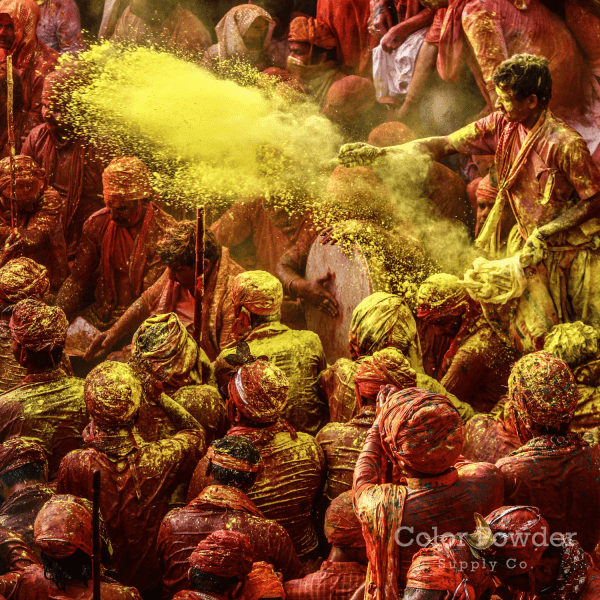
{"points": [[126, 178], [25, 15], [421, 429], [262, 582], [392, 133], [22, 278], [342, 527], [17, 452], [441, 296], [112, 394], [386, 367], [258, 292], [38, 327], [575, 343], [348, 99], [224, 553], [27, 174]]}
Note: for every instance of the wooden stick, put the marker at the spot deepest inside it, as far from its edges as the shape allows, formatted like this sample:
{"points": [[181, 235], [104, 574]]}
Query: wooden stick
{"points": [[11, 144], [199, 292], [96, 541]]}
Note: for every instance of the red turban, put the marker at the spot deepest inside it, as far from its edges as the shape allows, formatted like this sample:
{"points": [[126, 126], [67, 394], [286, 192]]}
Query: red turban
{"points": [[38, 327], [17, 452], [127, 178], [393, 133], [313, 32], [342, 527], [542, 390], [520, 534], [262, 582], [22, 278], [224, 553], [112, 393], [441, 296], [385, 367], [26, 171], [348, 99], [258, 292], [63, 526], [486, 191], [222, 459], [259, 390], [422, 429]]}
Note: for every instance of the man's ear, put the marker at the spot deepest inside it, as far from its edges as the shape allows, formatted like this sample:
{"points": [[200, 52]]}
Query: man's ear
{"points": [[532, 101]]}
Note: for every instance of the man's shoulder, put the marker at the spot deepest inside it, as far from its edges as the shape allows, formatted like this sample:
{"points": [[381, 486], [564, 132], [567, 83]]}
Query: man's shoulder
{"points": [[37, 135], [332, 432], [96, 222], [478, 473]]}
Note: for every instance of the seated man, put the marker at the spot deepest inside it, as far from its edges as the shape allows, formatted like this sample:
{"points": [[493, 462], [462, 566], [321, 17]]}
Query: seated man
{"points": [[137, 478], [219, 567], [418, 435], [174, 291], [23, 485], [233, 463], [286, 489], [48, 405], [312, 57], [476, 366], [257, 298], [345, 569], [38, 226], [120, 242], [554, 470], [63, 534]]}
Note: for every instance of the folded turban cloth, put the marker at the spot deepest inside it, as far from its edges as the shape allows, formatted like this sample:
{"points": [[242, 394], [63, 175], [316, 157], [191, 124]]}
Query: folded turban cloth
{"points": [[259, 390], [22, 278], [342, 527], [26, 171], [441, 296], [393, 133], [379, 321], [224, 553], [38, 327], [227, 461], [17, 452], [348, 99], [486, 191], [385, 367], [166, 348], [112, 393], [262, 582], [127, 178], [572, 572], [258, 292], [63, 526], [520, 534], [313, 32], [421, 429], [541, 390]]}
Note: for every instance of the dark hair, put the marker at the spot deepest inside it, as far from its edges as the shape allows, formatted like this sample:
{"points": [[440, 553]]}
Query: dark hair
{"points": [[20, 474], [524, 75], [238, 447], [423, 594], [76, 567], [179, 245], [201, 581]]}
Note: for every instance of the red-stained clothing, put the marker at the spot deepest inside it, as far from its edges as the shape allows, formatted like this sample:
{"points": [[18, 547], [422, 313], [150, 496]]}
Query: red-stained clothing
{"points": [[11, 372], [44, 61], [342, 444], [488, 439], [18, 511], [181, 32], [586, 28], [591, 590], [49, 408], [336, 384], [137, 481], [127, 259], [286, 489], [32, 584], [184, 528], [24, 123], [560, 476], [167, 295], [60, 26], [333, 581], [74, 170]]}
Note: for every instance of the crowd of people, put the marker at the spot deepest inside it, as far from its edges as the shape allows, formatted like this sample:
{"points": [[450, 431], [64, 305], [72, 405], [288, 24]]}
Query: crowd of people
{"points": [[449, 451]]}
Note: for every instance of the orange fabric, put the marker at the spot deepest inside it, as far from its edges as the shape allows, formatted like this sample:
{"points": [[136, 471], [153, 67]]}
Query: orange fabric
{"points": [[311, 31], [17, 452], [262, 582], [258, 292], [224, 553], [38, 327], [342, 527], [214, 497], [222, 459]]}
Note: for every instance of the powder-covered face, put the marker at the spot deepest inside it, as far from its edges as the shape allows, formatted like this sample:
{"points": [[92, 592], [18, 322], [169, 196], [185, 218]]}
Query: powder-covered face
{"points": [[124, 213], [7, 32], [515, 111]]}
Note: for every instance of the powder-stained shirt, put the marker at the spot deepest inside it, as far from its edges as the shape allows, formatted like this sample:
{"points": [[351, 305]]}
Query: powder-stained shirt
{"points": [[136, 487], [48, 408], [184, 528], [559, 475], [488, 440], [59, 26], [11, 372], [333, 581], [300, 355]]}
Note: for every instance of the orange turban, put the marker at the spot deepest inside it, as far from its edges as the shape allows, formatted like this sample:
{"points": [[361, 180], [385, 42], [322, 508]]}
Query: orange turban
{"points": [[224, 553], [17, 452], [348, 99], [127, 178], [313, 32], [421, 429], [22, 278], [38, 327], [393, 133], [385, 367], [258, 292], [342, 527], [485, 190], [262, 582], [26, 170]]}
